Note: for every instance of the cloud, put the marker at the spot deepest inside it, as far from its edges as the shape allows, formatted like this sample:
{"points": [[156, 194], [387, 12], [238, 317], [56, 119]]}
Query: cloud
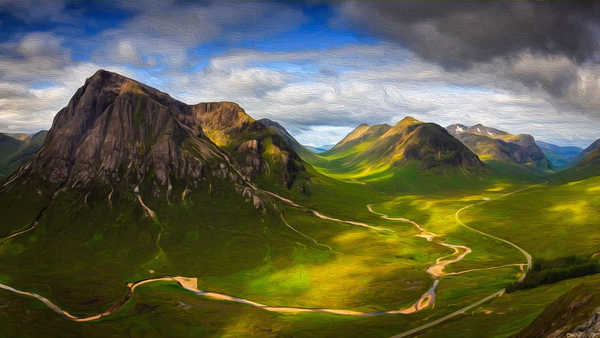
{"points": [[164, 32], [423, 66], [548, 47], [33, 11], [458, 34], [381, 83], [37, 78]]}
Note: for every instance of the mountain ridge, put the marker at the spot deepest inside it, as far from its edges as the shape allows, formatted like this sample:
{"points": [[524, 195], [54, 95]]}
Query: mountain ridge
{"points": [[494, 144]]}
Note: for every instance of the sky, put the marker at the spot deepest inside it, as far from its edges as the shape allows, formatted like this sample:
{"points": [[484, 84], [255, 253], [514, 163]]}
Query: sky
{"points": [[319, 68]]}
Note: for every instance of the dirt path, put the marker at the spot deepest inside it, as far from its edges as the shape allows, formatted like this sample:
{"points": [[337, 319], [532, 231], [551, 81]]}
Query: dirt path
{"points": [[450, 316], [20, 232], [436, 270], [524, 267], [191, 284], [317, 243], [526, 254]]}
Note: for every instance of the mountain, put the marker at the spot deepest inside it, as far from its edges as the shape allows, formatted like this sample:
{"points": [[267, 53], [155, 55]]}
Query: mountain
{"points": [[289, 139], [590, 149], [118, 131], [478, 129], [409, 156], [560, 157], [410, 140], [495, 145], [262, 149], [130, 185], [16, 149]]}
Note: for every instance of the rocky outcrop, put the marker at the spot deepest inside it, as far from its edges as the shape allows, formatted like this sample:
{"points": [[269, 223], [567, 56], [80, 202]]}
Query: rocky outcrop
{"points": [[589, 329], [574, 314]]}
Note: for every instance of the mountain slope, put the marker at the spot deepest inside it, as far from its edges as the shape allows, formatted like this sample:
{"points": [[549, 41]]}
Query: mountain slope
{"points": [[8, 146], [587, 165], [591, 148], [262, 150], [495, 145], [361, 134], [18, 153], [575, 314], [560, 157], [408, 140]]}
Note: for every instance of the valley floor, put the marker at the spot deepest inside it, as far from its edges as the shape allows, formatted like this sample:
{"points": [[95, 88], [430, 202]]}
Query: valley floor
{"points": [[378, 265]]}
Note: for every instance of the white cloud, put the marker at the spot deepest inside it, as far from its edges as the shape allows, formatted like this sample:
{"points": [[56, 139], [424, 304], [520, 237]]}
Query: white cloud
{"points": [[361, 86]]}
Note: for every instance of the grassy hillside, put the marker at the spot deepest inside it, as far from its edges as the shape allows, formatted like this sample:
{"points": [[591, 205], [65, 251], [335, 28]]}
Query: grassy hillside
{"points": [[588, 166]]}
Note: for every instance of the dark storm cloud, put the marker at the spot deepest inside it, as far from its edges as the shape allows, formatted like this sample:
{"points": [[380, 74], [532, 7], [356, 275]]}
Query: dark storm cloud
{"points": [[547, 48], [458, 34]]}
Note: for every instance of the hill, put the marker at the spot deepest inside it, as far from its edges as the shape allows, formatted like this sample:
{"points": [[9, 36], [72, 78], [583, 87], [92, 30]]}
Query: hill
{"points": [[409, 140], [491, 144], [560, 157]]}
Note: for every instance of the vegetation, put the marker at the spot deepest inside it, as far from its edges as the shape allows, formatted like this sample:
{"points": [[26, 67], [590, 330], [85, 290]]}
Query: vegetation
{"points": [[552, 271]]}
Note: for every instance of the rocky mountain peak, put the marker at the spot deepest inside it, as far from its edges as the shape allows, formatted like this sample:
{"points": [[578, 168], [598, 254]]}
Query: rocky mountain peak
{"points": [[117, 130]]}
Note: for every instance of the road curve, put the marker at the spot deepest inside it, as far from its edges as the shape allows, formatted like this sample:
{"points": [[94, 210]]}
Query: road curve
{"points": [[526, 254]]}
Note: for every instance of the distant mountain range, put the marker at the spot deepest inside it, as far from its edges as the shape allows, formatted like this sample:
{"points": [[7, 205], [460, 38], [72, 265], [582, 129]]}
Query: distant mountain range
{"points": [[319, 149], [491, 144], [560, 157]]}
